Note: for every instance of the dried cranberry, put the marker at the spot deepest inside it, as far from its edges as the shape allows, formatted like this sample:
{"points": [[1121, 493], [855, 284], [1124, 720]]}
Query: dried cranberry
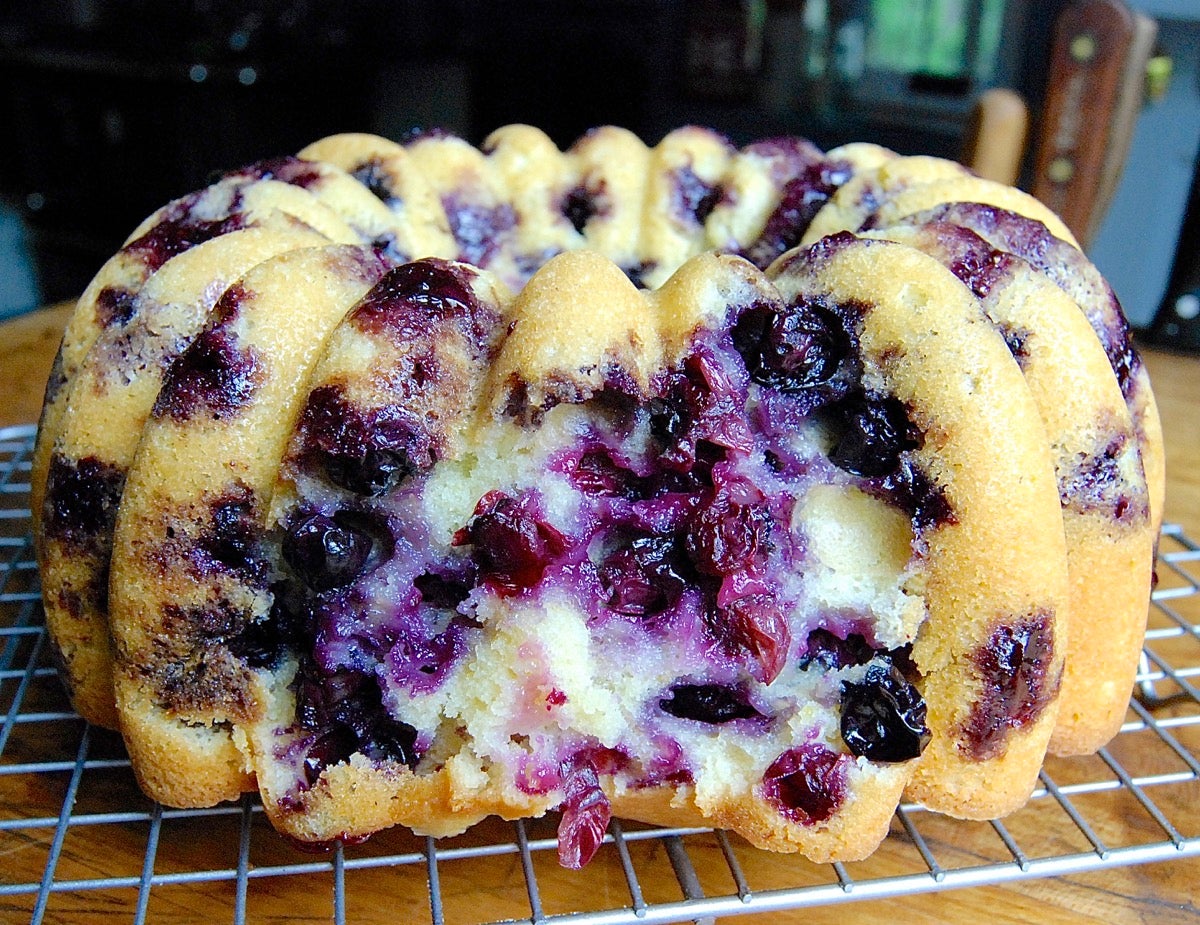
{"points": [[758, 624], [807, 784], [585, 814], [731, 533]]}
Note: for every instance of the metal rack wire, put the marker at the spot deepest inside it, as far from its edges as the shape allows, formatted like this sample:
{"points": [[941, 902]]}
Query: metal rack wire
{"points": [[70, 811]]}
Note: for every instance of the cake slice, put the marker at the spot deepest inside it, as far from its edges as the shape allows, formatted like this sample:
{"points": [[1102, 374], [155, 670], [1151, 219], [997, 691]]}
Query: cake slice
{"points": [[186, 574], [1101, 485]]}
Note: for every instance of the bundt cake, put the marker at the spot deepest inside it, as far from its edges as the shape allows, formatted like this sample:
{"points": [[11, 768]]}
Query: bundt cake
{"points": [[415, 483]]}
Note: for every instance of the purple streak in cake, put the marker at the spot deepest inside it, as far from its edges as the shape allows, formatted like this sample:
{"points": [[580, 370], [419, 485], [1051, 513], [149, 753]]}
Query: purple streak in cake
{"points": [[479, 230], [1015, 684], [692, 198], [81, 500], [215, 375]]}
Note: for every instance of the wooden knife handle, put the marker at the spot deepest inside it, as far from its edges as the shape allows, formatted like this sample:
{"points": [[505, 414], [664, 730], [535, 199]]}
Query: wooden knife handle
{"points": [[995, 142], [1088, 65]]}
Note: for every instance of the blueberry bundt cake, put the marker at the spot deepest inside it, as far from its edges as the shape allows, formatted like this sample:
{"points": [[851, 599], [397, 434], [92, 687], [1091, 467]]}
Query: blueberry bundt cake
{"points": [[415, 483]]}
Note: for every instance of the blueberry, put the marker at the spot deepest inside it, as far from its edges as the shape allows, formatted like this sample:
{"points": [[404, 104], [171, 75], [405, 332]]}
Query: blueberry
{"points": [[831, 652], [329, 552], [81, 501], [1015, 686], [873, 434], [883, 716], [807, 784], [642, 576], [708, 703], [794, 348], [579, 205], [372, 175], [693, 199], [376, 472]]}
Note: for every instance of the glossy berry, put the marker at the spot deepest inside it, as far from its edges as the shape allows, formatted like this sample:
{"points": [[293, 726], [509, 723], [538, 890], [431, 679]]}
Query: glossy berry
{"points": [[794, 348], [511, 547], [708, 703], [807, 784], [883, 716], [328, 552], [642, 576], [873, 434], [1015, 687]]}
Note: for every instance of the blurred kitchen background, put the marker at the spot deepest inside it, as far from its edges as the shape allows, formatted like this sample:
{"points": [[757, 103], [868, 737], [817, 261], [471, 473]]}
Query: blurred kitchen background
{"points": [[112, 107]]}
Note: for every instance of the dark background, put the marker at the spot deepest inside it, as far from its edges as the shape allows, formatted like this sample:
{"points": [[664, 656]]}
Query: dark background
{"points": [[113, 107]]}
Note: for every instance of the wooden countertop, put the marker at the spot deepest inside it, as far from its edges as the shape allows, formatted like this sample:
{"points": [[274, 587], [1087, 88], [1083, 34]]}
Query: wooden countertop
{"points": [[1162, 892]]}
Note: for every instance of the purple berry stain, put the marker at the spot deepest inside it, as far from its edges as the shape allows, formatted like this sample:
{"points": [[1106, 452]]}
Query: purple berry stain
{"points": [[81, 501], [1015, 686], [214, 375]]}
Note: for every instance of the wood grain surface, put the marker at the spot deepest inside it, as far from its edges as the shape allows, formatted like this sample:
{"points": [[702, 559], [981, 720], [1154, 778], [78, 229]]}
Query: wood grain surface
{"points": [[493, 887]]}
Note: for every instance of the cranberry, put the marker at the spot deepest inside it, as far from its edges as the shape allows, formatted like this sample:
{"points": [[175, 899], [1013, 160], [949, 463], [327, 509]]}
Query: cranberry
{"points": [[731, 532], [883, 716], [585, 814], [757, 623], [708, 703], [512, 548], [597, 473], [807, 784], [642, 576]]}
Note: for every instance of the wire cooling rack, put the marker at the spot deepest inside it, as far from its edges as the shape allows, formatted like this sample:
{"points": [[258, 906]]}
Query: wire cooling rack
{"points": [[78, 839]]}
